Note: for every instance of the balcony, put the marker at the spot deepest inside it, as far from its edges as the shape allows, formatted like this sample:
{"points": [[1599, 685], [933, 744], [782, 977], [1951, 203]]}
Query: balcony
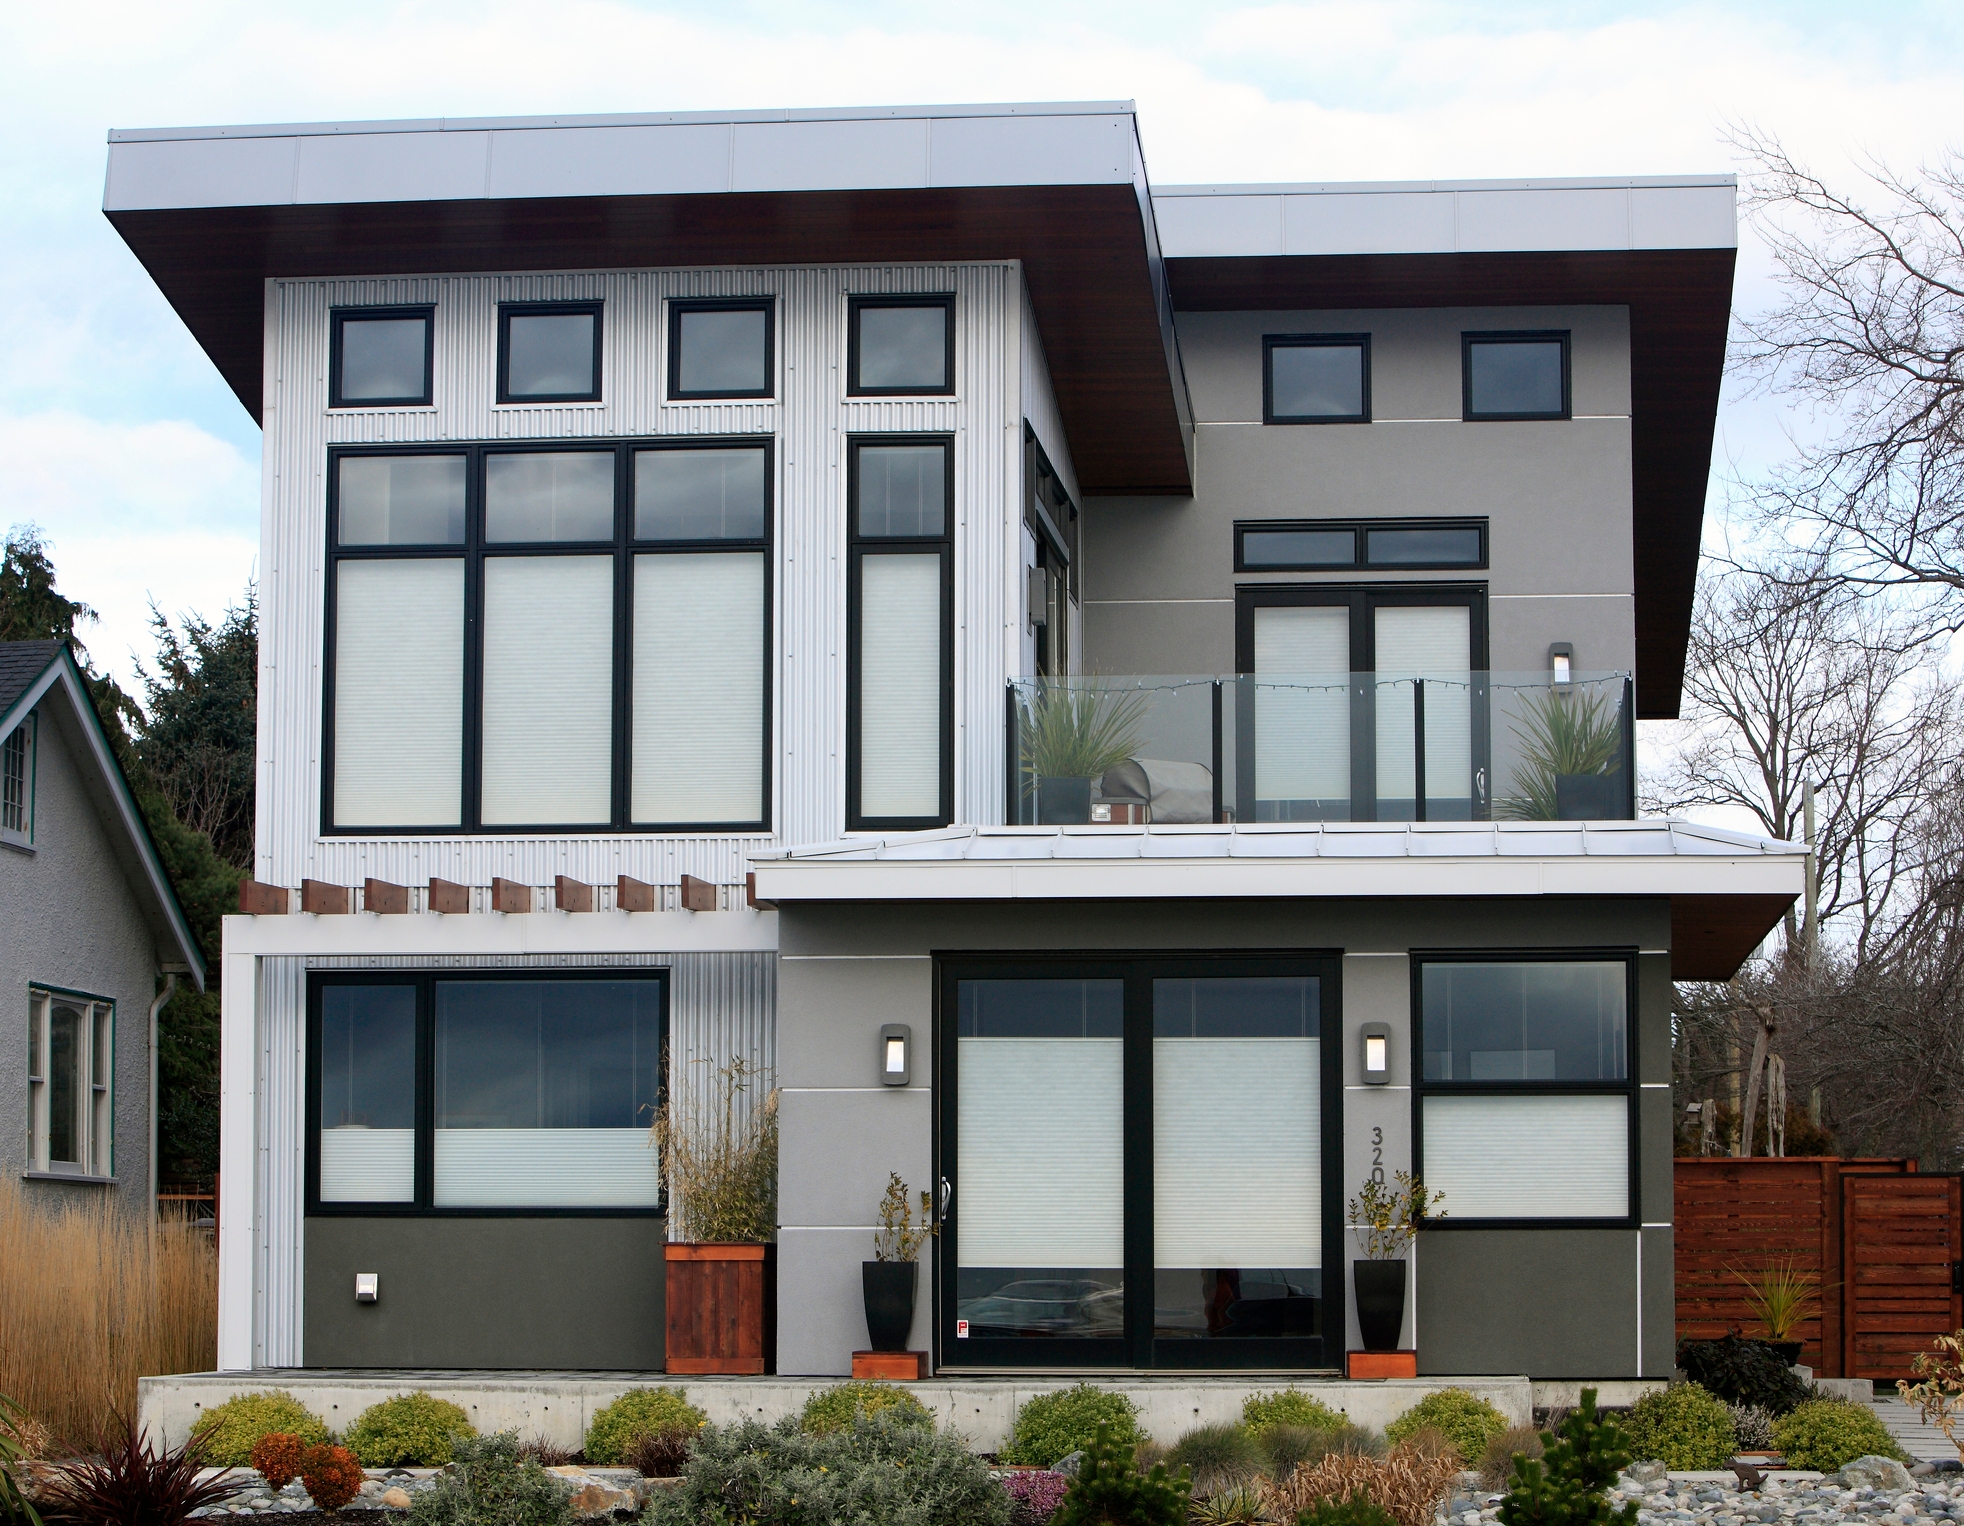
{"points": [[1321, 747]]}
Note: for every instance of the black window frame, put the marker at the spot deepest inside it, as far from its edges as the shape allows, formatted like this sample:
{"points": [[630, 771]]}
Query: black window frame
{"points": [[679, 307], [1138, 1349], [1630, 1084], [858, 303], [509, 310], [337, 320], [424, 1206], [1273, 342], [1470, 338], [1360, 555], [858, 548], [474, 550]]}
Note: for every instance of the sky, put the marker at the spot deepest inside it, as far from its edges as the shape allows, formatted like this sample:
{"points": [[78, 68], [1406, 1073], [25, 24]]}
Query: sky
{"points": [[125, 447]]}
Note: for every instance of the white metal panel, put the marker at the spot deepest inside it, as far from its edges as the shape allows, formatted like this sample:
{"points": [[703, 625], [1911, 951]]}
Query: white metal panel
{"points": [[1501, 220], [1684, 217], [1195, 226], [610, 161], [828, 156], [421, 166], [1032, 150], [249, 172], [1376, 223]]}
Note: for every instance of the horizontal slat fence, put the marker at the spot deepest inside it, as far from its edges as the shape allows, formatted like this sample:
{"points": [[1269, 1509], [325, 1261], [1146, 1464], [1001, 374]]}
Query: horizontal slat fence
{"points": [[1901, 1237]]}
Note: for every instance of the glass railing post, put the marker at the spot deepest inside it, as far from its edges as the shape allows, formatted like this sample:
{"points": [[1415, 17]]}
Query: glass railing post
{"points": [[1630, 747], [1418, 749], [1217, 751]]}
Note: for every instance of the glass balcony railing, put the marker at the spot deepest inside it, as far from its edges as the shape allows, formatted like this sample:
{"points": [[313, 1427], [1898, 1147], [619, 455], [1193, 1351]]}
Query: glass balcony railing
{"points": [[1321, 747]]}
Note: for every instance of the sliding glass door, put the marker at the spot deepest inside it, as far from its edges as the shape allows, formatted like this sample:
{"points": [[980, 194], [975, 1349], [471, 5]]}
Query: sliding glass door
{"points": [[1137, 1154]]}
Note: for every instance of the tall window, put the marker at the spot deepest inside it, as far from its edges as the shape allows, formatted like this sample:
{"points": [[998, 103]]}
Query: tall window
{"points": [[1316, 378], [381, 357], [900, 345], [17, 783], [481, 1093], [1526, 1105], [900, 656], [71, 1047], [1521, 375], [542, 637]]}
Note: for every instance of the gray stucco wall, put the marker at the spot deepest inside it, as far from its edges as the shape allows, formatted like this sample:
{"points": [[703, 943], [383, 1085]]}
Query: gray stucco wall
{"points": [[1159, 575], [847, 969], [70, 919], [561, 1293]]}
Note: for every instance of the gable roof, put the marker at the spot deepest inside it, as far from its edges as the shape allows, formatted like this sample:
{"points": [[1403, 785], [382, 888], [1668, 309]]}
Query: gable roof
{"points": [[32, 672]]}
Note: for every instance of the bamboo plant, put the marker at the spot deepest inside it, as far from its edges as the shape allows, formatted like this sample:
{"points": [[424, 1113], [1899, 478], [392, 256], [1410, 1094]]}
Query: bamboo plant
{"points": [[719, 1151]]}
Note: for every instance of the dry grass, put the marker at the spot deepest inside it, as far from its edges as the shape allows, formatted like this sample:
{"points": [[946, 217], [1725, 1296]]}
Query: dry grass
{"points": [[720, 1153], [1409, 1483], [86, 1307]]}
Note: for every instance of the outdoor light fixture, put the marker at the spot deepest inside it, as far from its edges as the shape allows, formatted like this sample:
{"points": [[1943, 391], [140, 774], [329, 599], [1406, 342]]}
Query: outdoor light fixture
{"points": [[894, 1041], [1376, 1053], [1561, 661], [367, 1286]]}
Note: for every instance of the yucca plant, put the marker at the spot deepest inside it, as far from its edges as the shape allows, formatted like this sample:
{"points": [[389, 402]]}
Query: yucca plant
{"points": [[1075, 730], [1782, 1294], [1566, 730]]}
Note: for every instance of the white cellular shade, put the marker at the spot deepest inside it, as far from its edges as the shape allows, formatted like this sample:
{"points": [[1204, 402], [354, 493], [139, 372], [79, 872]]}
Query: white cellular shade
{"points": [[398, 693], [1302, 719], [900, 685], [557, 1168], [698, 735], [1502, 1157], [548, 689], [1432, 642], [368, 1165], [1237, 1152], [1041, 1124]]}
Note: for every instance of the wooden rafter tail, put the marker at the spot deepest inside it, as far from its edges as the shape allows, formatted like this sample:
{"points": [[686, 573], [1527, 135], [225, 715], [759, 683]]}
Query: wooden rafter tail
{"points": [[631, 894], [697, 895], [510, 897], [262, 900], [571, 895], [384, 899], [449, 899], [325, 900]]}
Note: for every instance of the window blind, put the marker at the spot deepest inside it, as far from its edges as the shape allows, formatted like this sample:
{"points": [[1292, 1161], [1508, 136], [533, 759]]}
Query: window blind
{"points": [[1042, 1152], [363, 1165], [560, 1168], [1526, 1157], [1429, 641], [1302, 720], [398, 693], [698, 737], [548, 689], [900, 685], [1237, 1152]]}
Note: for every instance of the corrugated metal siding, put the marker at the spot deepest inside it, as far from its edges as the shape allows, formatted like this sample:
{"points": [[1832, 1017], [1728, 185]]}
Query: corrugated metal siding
{"points": [[279, 1191]]}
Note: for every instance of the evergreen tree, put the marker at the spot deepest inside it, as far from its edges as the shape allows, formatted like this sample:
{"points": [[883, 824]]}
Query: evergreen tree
{"points": [[1109, 1490], [1565, 1486]]}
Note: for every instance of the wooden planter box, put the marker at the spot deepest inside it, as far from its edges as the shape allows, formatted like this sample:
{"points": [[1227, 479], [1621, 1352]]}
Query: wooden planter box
{"points": [[722, 1308]]}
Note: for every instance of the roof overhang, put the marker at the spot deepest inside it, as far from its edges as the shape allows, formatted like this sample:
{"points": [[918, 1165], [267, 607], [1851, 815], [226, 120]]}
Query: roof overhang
{"points": [[212, 213], [1662, 247]]}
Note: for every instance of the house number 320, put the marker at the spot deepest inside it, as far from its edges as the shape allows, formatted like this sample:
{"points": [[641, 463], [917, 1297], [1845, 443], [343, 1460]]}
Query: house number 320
{"points": [[1377, 1155]]}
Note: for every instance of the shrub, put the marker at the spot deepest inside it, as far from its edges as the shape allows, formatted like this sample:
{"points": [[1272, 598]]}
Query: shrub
{"points": [[1035, 1496], [330, 1475], [638, 1412], [660, 1454], [493, 1484], [1231, 1507], [1683, 1427], [233, 1428], [1290, 1406], [1107, 1488], [1052, 1426], [1284, 1448], [1216, 1458], [1406, 1483], [881, 1469], [1752, 1428], [416, 1430], [1828, 1433], [130, 1484], [1465, 1419], [277, 1457], [547, 1453], [1565, 1486], [1497, 1462], [1743, 1372], [1355, 1511], [834, 1408]]}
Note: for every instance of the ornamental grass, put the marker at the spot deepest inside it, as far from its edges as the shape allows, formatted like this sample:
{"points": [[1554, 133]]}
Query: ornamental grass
{"points": [[1408, 1484]]}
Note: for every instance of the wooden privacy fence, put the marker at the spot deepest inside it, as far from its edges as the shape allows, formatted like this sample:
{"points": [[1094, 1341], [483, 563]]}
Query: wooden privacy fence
{"points": [[1886, 1241]]}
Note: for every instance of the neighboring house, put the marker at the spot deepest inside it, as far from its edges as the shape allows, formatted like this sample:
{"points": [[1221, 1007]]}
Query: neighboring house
{"points": [[91, 939], [678, 533]]}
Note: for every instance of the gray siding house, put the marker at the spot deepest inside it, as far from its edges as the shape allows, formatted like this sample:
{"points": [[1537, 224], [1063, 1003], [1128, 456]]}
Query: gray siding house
{"points": [[92, 941], [762, 585]]}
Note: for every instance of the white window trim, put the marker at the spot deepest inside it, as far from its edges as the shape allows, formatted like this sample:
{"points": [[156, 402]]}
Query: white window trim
{"points": [[99, 1123], [28, 731]]}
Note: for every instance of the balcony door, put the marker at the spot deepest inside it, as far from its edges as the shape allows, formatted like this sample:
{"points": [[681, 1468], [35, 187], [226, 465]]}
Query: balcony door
{"points": [[1362, 704]]}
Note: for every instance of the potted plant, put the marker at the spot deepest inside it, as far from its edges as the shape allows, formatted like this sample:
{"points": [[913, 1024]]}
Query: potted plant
{"points": [[1571, 759], [1385, 1217], [1783, 1294], [1072, 733], [891, 1280], [719, 1158]]}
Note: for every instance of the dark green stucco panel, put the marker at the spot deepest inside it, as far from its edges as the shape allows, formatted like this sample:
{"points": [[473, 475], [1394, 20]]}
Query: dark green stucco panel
{"points": [[1550, 1303], [561, 1293]]}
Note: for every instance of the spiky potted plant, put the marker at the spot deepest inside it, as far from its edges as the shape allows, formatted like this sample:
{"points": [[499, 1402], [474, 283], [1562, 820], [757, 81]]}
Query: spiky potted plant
{"points": [[1073, 730], [1571, 757], [891, 1280]]}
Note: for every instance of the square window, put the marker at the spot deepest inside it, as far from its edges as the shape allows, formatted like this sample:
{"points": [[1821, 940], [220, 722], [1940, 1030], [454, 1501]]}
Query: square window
{"points": [[381, 357], [549, 352], [549, 495], [1516, 376], [399, 500], [901, 345], [702, 494], [900, 490], [1316, 379], [720, 349]]}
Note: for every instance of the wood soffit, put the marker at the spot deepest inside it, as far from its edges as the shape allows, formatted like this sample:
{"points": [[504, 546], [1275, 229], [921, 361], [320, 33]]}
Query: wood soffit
{"points": [[1712, 935]]}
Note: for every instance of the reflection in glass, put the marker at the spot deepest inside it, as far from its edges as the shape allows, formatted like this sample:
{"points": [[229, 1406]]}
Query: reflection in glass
{"points": [[1526, 1022], [384, 359], [1299, 548], [65, 1041], [1039, 1216], [903, 348], [1514, 376], [1316, 381], [401, 500], [551, 495], [722, 352], [1455, 547], [700, 494], [550, 355], [902, 489], [368, 1094], [1237, 1158]]}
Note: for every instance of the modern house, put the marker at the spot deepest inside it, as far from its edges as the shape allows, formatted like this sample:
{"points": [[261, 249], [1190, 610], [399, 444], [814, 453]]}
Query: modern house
{"points": [[1121, 698], [92, 943]]}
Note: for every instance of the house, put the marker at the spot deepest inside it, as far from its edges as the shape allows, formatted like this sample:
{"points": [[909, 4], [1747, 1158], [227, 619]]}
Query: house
{"points": [[92, 943], [1120, 697]]}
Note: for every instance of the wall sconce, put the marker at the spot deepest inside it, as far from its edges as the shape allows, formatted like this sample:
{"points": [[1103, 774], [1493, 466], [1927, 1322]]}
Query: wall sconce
{"points": [[1374, 1041], [895, 1040], [1561, 661], [367, 1286]]}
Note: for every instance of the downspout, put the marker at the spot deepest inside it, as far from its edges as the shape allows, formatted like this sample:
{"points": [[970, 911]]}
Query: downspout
{"points": [[163, 997]]}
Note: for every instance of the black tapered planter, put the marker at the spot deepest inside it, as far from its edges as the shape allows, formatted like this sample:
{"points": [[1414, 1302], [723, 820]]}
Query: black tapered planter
{"points": [[889, 1287], [1380, 1289], [1789, 1351], [1064, 802]]}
